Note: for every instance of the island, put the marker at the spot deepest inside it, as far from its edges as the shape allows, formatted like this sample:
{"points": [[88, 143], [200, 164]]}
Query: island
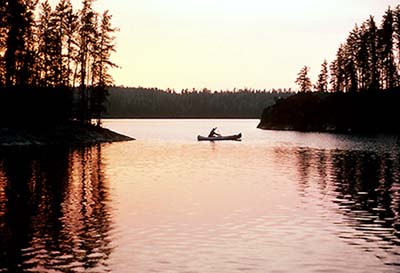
{"points": [[359, 92], [339, 112]]}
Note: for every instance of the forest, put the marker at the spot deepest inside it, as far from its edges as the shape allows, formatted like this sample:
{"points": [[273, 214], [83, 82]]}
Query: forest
{"points": [[368, 60], [54, 62], [155, 103], [364, 84]]}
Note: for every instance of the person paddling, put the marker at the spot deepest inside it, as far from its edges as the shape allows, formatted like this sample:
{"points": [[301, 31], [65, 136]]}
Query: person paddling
{"points": [[213, 133]]}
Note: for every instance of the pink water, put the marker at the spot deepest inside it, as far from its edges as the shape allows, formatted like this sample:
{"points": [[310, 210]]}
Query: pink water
{"points": [[274, 202]]}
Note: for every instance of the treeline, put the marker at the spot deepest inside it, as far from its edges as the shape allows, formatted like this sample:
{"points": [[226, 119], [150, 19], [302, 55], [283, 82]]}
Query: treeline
{"points": [[155, 103], [54, 62], [340, 112], [364, 79], [368, 60]]}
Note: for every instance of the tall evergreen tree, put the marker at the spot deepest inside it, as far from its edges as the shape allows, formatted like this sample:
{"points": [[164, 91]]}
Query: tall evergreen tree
{"points": [[334, 82], [322, 82], [396, 19], [15, 43], [339, 70], [45, 45], [19, 43], [342, 80], [389, 72], [71, 24], [3, 39], [59, 22], [373, 49], [303, 81], [86, 39], [351, 48], [3, 24], [27, 75], [101, 65], [56, 49], [71, 47], [363, 65]]}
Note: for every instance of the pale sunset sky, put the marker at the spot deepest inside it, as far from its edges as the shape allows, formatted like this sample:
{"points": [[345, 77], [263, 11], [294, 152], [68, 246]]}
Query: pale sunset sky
{"points": [[222, 44]]}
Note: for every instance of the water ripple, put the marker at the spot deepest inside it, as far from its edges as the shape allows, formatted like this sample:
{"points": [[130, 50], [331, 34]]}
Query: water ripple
{"points": [[283, 202]]}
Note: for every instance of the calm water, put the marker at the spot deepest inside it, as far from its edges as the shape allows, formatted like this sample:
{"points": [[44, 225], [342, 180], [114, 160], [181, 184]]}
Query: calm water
{"points": [[274, 202]]}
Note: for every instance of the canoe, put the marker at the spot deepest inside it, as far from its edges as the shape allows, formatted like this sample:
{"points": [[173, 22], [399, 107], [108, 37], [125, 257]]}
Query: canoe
{"points": [[216, 138]]}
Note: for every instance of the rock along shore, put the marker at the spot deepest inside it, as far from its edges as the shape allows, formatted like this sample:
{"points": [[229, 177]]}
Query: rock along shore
{"points": [[64, 134]]}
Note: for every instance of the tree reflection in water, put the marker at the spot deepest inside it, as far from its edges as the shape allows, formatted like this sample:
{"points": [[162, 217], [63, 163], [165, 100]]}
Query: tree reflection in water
{"points": [[368, 192], [54, 210], [364, 185]]}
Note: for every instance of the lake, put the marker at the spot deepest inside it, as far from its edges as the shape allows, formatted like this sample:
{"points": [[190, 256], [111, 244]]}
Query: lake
{"points": [[274, 202]]}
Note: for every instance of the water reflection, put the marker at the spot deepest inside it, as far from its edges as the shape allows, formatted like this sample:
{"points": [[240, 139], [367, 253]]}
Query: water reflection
{"points": [[54, 210], [304, 157], [368, 194], [364, 185], [282, 207]]}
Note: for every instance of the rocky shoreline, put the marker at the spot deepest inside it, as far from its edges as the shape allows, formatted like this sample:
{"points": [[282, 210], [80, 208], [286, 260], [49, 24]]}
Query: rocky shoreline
{"points": [[63, 134]]}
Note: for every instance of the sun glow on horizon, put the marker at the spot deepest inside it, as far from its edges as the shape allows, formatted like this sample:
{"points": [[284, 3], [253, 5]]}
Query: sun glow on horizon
{"points": [[226, 44]]}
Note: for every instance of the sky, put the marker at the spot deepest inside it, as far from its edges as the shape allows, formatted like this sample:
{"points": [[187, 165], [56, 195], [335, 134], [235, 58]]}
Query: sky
{"points": [[226, 44]]}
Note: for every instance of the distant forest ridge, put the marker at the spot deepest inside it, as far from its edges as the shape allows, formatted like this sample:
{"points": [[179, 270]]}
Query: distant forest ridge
{"points": [[139, 102]]}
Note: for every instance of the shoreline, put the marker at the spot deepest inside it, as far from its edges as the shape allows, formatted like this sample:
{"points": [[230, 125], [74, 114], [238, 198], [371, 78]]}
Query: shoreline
{"points": [[113, 118], [349, 113], [62, 134]]}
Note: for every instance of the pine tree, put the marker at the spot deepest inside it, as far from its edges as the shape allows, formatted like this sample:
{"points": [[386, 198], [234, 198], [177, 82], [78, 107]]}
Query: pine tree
{"points": [[396, 19], [45, 49], [303, 81], [101, 65], [372, 45], [15, 42], [3, 39], [71, 25], [86, 39], [351, 48], [334, 82], [45, 45], [341, 60], [71, 49], [389, 72], [27, 74], [322, 83], [339, 81], [60, 23], [3, 23], [364, 71]]}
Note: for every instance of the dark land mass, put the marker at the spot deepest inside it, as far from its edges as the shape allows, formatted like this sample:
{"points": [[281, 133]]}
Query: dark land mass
{"points": [[54, 76], [138, 102], [363, 112], [47, 116], [69, 133]]}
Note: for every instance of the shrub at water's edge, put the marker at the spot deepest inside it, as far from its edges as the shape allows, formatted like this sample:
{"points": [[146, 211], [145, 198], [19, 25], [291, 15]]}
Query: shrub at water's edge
{"points": [[372, 112]]}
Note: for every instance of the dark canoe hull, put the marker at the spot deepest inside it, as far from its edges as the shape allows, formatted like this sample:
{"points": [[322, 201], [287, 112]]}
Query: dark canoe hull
{"points": [[219, 138]]}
